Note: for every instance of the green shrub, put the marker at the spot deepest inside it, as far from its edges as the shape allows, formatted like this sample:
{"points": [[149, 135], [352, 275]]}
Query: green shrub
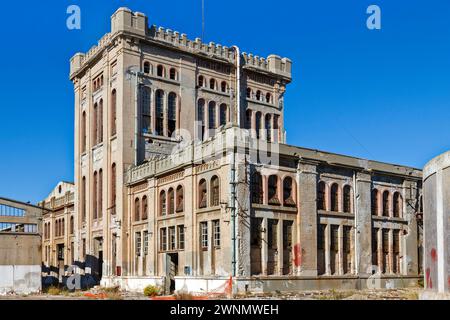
{"points": [[151, 291], [53, 291]]}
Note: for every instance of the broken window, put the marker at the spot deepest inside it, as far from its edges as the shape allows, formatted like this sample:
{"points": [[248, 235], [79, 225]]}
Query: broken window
{"points": [[273, 190], [272, 233], [288, 197]]}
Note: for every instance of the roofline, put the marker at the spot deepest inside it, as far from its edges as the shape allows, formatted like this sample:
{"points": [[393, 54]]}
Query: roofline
{"points": [[23, 203]]}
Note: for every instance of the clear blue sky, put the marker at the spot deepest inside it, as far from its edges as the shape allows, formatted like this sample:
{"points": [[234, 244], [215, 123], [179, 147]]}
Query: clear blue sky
{"points": [[382, 95]]}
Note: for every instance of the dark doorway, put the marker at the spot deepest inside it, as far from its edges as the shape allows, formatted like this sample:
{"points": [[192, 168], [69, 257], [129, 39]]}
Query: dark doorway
{"points": [[173, 270], [100, 265]]}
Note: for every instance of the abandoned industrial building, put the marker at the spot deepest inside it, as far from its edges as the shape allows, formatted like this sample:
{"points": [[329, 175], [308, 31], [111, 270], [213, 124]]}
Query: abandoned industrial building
{"points": [[183, 178]]}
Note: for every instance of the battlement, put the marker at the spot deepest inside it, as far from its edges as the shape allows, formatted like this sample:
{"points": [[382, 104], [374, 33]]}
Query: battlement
{"points": [[136, 23]]}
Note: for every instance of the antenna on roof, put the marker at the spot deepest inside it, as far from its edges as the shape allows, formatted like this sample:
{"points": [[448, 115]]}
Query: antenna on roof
{"points": [[203, 20]]}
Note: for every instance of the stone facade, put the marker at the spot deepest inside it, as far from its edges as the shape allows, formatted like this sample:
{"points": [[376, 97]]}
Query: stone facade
{"points": [[183, 177]]}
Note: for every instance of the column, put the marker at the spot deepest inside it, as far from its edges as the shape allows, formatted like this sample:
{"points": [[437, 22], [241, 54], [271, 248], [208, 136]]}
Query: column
{"points": [[391, 251], [280, 246], [327, 250], [341, 249], [380, 250]]}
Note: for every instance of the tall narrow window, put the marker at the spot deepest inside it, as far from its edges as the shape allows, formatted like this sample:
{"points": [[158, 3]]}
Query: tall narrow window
{"points": [[138, 243], [173, 74], [276, 128], [72, 225], [83, 199], [347, 199], [257, 188], [83, 132], [100, 193], [144, 208], [172, 113], [321, 196], [180, 237], [223, 86], [113, 112], [146, 67], [159, 100], [374, 202], [215, 191], [212, 84], [180, 199], [211, 115], [95, 125], [258, 124], [202, 194], [94, 196], [248, 119], [146, 110], [163, 239], [171, 201], [160, 71], [204, 235], [113, 188], [201, 81], [201, 118], [162, 203], [258, 95], [249, 93], [288, 197], [137, 209], [268, 126], [397, 205], [223, 114], [216, 233], [335, 197], [268, 97], [273, 190], [100, 121], [172, 238], [386, 204]]}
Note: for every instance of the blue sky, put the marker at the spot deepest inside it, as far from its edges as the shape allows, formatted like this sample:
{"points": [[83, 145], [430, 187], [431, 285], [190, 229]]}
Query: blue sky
{"points": [[382, 95]]}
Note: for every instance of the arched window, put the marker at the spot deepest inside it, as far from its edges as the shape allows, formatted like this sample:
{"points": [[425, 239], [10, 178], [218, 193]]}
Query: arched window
{"points": [[421, 204], [273, 190], [171, 194], [223, 86], [201, 81], [288, 196], [113, 112], [137, 209], [113, 188], [276, 128], [374, 202], [202, 194], [268, 126], [212, 84], [146, 110], [268, 97], [94, 196], [347, 195], [83, 132], [398, 204], [248, 119], [258, 124], [57, 228], [335, 197], [223, 114], [72, 226], [146, 67], [321, 196], [201, 118], [173, 74], [249, 93], [215, 191], [63, 229], [159, 101], [180, 199], [386, 204], [100, 121], [162, 203], [83, 199], [160, 71], [258, 95], [211, 115], [257, 188], [144, 208], [100, 193], [172, 113], [94, 125]]}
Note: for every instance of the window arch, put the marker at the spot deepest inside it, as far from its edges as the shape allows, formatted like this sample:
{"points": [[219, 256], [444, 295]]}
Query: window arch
{"points": [[223, 86], [146, 110], [172, 113], [94, 196], [288, 192], [321, 196], [398, 205], [258, 95], [173, 74], [160, 71], [201, 117], [137, 209], [146, 67], [201, 81], [248, 119], [113, 188], [113, 112], [144, 208], [162, 203], [72, 225], [374, 202], [273, 190], [276, 128], [211, 115], [180, 199], [268, 127], [386, 204], [159, 100], [171, 195], [83, 132], [258, 124], [215, 195], [257, 188], [212, 84], [95, 124], [83, 199], [100, 194], [63, 229], [268, 97], [249, 93], [347, 199], [334, 197], [223, 114], [100, 122], [202, 194]]}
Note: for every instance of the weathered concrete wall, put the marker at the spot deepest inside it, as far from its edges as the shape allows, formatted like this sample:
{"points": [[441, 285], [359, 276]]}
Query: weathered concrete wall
{"points": [[437, 223], [21, 279]]}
